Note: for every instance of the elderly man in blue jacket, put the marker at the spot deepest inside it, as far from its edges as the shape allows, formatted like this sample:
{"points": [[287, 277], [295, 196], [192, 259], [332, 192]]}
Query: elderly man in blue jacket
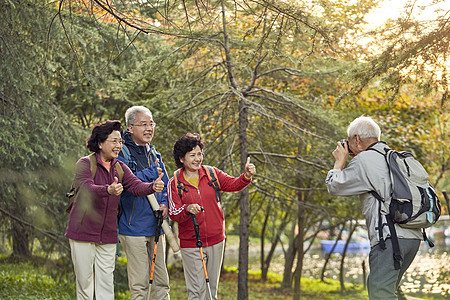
{"points": [[137, 222]]}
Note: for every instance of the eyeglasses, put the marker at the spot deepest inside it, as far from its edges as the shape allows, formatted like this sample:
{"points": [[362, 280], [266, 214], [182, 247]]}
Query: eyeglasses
{"points": [[146, 125], [119, 142]]}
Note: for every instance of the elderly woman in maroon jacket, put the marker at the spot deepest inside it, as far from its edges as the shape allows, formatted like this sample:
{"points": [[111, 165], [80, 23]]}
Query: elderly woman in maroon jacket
{"points": [[92, 226], [197, 197]]}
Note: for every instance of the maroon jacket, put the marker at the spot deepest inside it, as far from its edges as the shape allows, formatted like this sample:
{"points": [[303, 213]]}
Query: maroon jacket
{"points": [[93, 217], [211, 221]]}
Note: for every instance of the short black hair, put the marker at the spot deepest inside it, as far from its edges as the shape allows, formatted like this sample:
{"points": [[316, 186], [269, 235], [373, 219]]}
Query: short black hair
{"points": [[184, 145], [100, 133]]}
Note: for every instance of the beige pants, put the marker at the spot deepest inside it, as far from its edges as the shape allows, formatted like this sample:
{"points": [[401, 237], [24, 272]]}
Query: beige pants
{"points": [[139, 252], [94, 266], [194, 274]]}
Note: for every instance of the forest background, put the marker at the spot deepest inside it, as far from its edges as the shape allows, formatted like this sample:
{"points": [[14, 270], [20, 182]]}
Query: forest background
{"points": [[277, 81]]}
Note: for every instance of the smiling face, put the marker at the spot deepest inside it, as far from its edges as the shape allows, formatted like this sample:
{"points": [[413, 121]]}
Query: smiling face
{"points": [[142, 130], [192, 160], [110, 148]]}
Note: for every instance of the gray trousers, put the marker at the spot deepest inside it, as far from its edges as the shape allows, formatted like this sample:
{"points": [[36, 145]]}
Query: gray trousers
{"points": [[139, 252], [383, 279], [193, 270]]}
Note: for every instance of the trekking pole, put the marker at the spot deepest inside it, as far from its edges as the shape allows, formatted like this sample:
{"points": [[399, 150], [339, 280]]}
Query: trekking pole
{"points": [[199, 244], [159, 220], [173, 242]]}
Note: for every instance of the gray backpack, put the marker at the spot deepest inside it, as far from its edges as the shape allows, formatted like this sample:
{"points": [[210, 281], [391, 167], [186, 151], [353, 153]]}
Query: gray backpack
{"points": [[413, 202]]}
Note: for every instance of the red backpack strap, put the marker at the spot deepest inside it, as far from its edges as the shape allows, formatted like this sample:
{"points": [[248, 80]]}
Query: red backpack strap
{"points": [[180, 186], [213, 182]]}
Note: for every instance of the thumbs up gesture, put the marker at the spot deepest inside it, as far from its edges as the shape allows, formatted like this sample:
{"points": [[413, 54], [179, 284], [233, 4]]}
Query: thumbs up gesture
{"points": [[158, 185], [250, 169], [115, 188]]}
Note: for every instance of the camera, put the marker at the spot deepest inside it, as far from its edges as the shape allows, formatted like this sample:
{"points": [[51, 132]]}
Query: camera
{"points": [[343, 142]]}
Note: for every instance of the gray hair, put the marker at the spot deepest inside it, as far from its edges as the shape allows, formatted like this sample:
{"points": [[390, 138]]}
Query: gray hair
{"points": [[130, 114], [365, 127]]}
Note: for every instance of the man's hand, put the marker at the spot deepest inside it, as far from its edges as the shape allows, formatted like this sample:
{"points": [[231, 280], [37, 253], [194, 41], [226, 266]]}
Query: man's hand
{"points": [[250, 169], [340, 155], [115, 188], [158, 185], [164, 210]]}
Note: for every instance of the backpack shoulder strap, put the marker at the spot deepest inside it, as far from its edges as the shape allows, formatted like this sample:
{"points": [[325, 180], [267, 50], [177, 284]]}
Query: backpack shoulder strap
{"points": [[74, 189], [93, 164], [126, 154], [119, 170], [213, 182], [212, 177], [180, 186]]}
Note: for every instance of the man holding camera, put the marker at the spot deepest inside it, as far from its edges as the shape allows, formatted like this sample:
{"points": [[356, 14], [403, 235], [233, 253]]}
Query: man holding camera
{"points": [[366, 172]]}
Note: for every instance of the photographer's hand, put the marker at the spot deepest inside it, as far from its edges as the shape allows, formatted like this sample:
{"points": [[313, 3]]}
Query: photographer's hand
{"points": [[340, 155]]}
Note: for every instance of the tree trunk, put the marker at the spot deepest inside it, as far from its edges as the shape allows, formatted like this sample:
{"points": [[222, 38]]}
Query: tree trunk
{"points": [[245, 208], [289, 259], [300, 253], [264, 270], [341, 269], [20, 240], [20, 232], [328, 256], [266, 262]]}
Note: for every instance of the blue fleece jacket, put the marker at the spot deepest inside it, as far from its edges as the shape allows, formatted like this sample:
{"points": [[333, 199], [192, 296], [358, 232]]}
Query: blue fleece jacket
{"points": [[136, 217]]}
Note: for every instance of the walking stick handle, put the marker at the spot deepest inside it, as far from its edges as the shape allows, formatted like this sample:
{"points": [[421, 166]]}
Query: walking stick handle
{"points": [[196, 230]]}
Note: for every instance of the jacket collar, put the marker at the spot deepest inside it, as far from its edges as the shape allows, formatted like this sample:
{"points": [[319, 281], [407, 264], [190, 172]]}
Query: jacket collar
{"points": [[201, 173], [99, 160], [130, 143], [380, 146]]}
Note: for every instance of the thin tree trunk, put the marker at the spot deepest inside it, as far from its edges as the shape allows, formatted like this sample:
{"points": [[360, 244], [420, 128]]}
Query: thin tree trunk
{"points": [[266, 262], [299, 268], [244, 196], [264, 270], [341, 268], [289, 259], [245, 210], [328, 255], [301, 212]]}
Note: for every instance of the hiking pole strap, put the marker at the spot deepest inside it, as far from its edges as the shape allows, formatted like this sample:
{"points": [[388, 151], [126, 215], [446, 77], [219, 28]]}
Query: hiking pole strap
{"points": [[199, 243], [395, 245]]}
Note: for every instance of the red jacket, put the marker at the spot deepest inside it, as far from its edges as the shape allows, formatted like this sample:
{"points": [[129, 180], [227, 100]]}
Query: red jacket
{"points": [[211, 220], [93, 217]]}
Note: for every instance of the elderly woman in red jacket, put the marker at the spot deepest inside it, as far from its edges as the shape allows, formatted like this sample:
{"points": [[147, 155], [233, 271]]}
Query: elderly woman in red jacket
{"points": [[92, 226], [198, 197]]}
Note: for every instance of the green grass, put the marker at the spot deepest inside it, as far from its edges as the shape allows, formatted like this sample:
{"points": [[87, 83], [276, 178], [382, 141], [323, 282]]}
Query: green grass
{"points": [[25, 280]]}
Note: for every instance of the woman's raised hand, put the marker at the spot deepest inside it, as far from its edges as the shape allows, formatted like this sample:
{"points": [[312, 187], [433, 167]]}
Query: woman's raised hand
{"points": [[250, 169], [115, 188]]}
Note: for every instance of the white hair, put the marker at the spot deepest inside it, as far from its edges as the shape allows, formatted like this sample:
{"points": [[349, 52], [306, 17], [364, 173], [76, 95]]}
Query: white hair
{"points": [[130, 114], [365, 127]]}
